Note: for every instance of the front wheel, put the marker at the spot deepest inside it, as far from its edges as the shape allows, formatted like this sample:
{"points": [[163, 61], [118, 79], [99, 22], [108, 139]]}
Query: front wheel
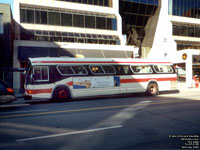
{"points": [[61, 94], [152, 89]]}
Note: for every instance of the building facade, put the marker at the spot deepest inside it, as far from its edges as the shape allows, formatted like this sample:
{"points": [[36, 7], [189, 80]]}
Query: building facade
{"points": [[57, 28], [6, 42], [158, 29], [165, 29]]}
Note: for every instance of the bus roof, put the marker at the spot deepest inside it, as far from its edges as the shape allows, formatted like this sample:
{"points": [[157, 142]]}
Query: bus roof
{"points": [[70, 60]]}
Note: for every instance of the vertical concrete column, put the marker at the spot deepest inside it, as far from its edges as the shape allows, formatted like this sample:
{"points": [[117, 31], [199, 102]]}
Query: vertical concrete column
{"points": [[189, 74]]}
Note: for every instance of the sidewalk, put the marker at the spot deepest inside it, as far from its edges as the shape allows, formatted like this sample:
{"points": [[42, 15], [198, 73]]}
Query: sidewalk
{"points": [[183, 88]]}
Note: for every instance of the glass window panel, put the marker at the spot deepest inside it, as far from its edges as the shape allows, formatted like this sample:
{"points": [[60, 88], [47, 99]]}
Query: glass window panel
{"points": [[1, 24], [197, 32], [89, 21], [37, 73], [30, 16], [163, 69], [54, 18], [44, 71], [43, 17], [96, 2], [66, 19], [106, 3], [79, 70], [78, 21], [142, 69], [90, 2], [100, 2], [191, 31], [96, 69], [65, 70], [100, 23], [109, 69], [22, 15], [111, 24]]}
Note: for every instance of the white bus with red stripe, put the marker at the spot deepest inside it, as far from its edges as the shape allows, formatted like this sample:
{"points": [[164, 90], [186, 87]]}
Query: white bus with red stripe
{"points": [[67, 78]]}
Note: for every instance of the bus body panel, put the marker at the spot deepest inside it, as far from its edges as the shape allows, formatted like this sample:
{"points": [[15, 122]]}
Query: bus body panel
{"points": [[95, 84]]}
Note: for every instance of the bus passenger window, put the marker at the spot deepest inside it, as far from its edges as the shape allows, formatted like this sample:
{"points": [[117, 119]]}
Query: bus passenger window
{"points": [[142, 69], [80, 70], [123, 70], [65, 70], [96, 69], [163, 69], [109, 69]]}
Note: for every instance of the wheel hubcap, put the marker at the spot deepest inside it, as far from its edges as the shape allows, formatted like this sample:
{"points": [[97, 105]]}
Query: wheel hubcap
{"points": [[62, 94]]}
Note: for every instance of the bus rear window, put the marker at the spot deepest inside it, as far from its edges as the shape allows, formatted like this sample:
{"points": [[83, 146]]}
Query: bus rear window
{"points": [[163, 68]]}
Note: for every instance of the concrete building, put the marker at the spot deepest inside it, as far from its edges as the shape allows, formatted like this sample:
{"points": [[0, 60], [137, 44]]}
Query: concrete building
{"points": [[58, 28], [6, 42], [165, 29], [159, 29]]}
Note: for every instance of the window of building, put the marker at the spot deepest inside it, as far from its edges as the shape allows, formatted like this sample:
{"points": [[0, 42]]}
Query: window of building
{"points": [[1, 24], [54, 18], [106, 3], [100, 23], [185, 8], [66, 19], [40, 17], [78, 21], [30, 16], [89, 21], [23, 15]]}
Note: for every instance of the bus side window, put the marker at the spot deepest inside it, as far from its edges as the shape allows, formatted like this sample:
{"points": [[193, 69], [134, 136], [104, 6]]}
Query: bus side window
{"points": [[142, 69], [96, 69], [123, 69], [65, 70], [163, 69], [109, 69], [80, 70]]}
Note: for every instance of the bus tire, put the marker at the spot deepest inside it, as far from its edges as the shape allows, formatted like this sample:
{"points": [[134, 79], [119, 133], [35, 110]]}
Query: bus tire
{"points": [[152, 89], [61, 94]]}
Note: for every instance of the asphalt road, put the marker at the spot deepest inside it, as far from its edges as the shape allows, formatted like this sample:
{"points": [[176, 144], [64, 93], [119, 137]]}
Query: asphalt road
{"points": [[169, 121]]}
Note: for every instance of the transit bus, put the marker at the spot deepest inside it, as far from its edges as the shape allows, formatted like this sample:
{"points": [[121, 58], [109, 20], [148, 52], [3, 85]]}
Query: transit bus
{"points": [[62, 79]]}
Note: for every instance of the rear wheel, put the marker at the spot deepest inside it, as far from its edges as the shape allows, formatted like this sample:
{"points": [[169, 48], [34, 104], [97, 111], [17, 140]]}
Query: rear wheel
{"points": [[152, 89], [61, 94]]}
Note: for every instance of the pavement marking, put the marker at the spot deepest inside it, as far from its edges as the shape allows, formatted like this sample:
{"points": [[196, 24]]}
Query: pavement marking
{"points": [[70, 133], [89, 109], [13, 105], [13, 112]]}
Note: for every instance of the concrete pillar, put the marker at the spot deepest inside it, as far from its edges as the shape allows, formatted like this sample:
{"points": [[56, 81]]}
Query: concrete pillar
{"points": [[189, 74]]}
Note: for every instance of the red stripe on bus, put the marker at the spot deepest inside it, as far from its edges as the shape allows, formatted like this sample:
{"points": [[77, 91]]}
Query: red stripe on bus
{"points": [[70, 83], [98, 62], [147, 79], [39, 91]]}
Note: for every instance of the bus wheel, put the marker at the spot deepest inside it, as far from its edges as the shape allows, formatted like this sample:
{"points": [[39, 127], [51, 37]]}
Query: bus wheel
{"points": [[61, 94], [152, 89]]}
